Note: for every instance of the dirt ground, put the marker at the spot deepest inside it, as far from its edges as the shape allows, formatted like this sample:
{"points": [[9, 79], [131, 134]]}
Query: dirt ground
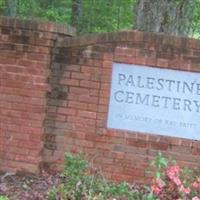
{"points": [[27, 186]]}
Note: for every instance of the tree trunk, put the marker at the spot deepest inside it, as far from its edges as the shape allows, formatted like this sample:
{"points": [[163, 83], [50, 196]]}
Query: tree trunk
{"points": [[167, 16], [12, 8], [45, 3], [76, 12]]}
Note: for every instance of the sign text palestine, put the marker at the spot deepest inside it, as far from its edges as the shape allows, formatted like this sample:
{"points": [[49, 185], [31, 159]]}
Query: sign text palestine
{"points": [[155, 100]]}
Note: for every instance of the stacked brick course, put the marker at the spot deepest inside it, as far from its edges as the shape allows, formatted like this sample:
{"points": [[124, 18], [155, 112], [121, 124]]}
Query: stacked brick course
{"points": [[25, 56], [122, 155], [41, 119]]}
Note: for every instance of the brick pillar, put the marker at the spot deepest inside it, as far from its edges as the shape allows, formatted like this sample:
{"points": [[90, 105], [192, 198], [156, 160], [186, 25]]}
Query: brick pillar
{"points": [[25, 60]]}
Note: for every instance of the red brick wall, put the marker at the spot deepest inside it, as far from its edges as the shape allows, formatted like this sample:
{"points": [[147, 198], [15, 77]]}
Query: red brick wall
{"points": [[81, 116], [55, 94], [25, 57]]}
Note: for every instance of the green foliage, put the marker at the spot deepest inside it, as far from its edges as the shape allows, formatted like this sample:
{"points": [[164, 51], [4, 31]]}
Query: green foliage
{"points": [[79, 184], [57, 11], [173, 182], [2, 6], [96, 15], [3, 198], [196, 19], [106, 16], [159, 163], [150, 196]]}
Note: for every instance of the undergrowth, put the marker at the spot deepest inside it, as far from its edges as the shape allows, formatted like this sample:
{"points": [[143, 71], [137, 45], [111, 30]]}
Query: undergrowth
{"points": [[169, 181], [79, 184]]}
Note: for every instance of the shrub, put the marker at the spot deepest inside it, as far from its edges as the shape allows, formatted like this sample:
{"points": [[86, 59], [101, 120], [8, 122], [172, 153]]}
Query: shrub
{"points": [[79, 184], [172, 182], [169, 182]]}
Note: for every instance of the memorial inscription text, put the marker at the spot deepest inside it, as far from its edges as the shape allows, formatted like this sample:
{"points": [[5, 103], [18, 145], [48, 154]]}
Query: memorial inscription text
{"points": [[154, 100]]}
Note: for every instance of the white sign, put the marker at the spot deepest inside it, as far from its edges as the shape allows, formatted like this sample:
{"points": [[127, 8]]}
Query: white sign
{"points": [[153, 100]]}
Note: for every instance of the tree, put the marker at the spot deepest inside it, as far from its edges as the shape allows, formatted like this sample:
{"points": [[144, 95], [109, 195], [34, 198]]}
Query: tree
{"points": [[167, 16], [12, 8], [177, 17], [106, 15], [76, 12]]}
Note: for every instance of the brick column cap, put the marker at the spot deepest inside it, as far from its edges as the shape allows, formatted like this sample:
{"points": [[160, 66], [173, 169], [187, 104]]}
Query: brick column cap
{"points": [[34, 25]]}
